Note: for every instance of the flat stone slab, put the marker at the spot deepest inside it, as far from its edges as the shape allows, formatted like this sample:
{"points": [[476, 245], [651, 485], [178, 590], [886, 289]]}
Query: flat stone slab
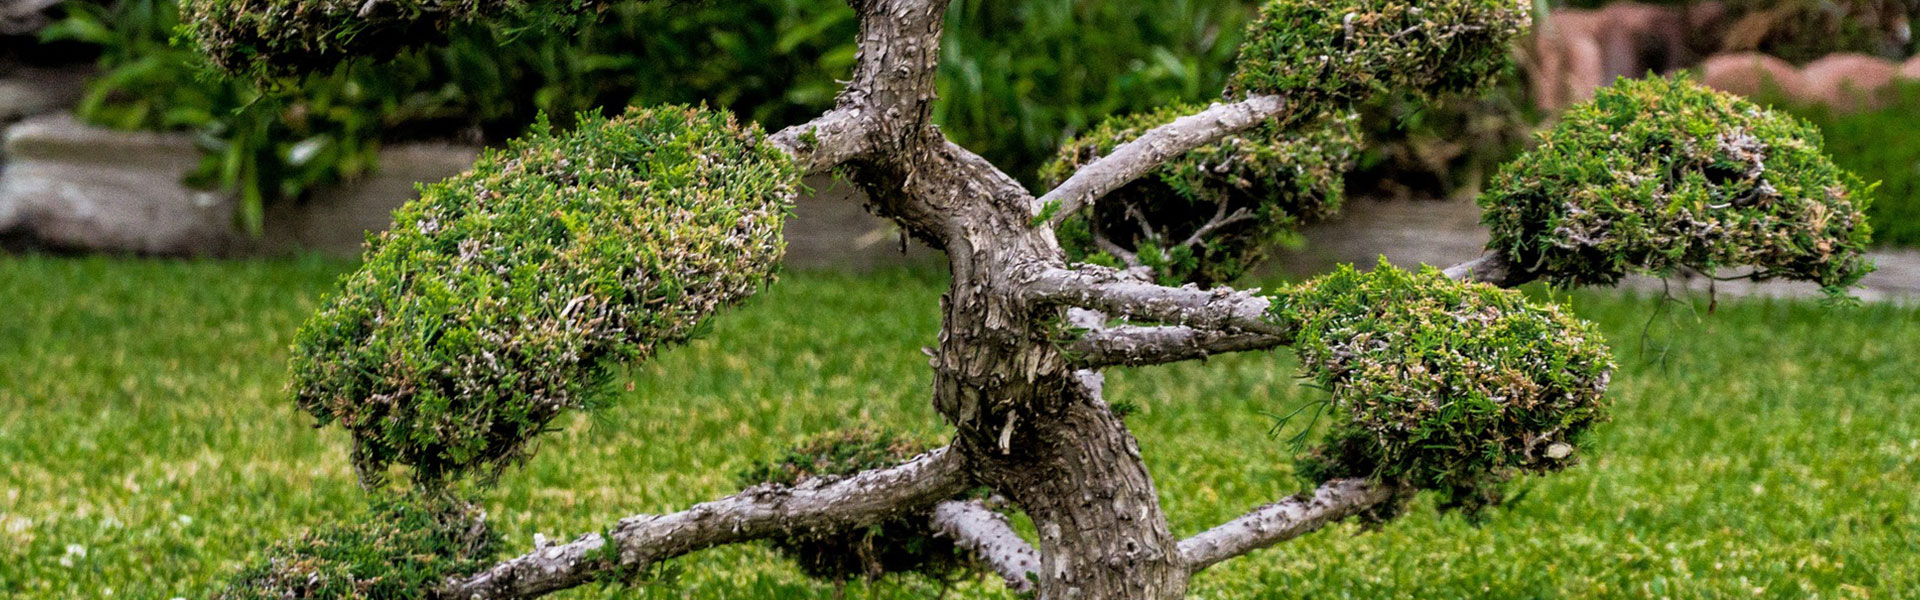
{"points": [[70, 185]]}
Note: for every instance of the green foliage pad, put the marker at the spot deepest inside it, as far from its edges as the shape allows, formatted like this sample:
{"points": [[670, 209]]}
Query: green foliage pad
{"points": [[1275, 178], [1323, 54], [505, 295], [277, 38], [905, 544], [1445, 385], [401, 551], [1657, 174]]}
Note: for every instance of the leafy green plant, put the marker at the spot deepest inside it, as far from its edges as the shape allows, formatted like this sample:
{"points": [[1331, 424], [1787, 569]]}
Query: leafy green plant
{"points": [[258, 147]]}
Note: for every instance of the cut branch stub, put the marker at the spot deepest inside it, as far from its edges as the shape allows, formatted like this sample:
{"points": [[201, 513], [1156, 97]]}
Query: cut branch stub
{"points": [[1322, 54], [278, 38], [1207, 215], [507, 294], [907, 543], [1657, 174], [1445, 385]]}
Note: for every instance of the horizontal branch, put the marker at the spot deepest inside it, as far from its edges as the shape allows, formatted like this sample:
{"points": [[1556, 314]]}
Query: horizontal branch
{"points": [[763, 511], [819, 145], [989, 536], [1134, 345], [1282, 521], [1115, 293], [1493, 268], [1133, 159]]}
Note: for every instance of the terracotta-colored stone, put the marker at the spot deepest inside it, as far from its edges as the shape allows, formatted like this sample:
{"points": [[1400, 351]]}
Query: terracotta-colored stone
{"points": [[1753, 74], [1848, 80]]}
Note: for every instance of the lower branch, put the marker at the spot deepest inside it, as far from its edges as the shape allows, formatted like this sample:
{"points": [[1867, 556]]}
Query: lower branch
{"points": [[759, 512], [1282, 521], [1134, 346], [988, 535], [1494, 268]]}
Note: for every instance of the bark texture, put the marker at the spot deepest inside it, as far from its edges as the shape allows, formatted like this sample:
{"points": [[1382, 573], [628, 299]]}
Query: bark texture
{"points": [[1025, 404]]}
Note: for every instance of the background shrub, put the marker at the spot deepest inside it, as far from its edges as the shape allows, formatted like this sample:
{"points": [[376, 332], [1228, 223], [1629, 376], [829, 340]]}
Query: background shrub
{"points": [[1655, 175]]}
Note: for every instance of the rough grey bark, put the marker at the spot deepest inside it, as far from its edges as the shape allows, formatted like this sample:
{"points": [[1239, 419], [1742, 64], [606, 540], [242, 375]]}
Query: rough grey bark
{"points": [[1134, 345], [1026, 406], [988, 535], [1284, 520], [1155, 147], [759, 512]]}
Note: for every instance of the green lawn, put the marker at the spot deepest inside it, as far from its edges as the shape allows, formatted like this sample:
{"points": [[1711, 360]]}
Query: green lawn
{"points": [[1769, 450]]}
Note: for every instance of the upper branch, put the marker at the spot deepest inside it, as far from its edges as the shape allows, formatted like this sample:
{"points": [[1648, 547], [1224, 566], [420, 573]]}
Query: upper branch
{"points": [[759, 512], [1284, 520], [1133, 159]]}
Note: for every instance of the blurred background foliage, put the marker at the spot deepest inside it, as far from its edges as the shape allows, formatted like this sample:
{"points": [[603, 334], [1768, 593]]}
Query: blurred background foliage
{"points": [[1018, 78]]}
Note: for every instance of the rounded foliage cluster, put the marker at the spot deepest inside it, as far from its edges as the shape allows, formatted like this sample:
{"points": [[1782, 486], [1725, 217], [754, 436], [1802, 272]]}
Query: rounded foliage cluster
{"points": [[1444, 385], [402, 550], [1206, 216], [1657, 174], [1324, 53], [276, 38], [507, 294], [903, 544]]}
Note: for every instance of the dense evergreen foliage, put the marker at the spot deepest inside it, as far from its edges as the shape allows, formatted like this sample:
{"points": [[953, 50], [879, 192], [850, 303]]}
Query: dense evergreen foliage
{"points": [[1446, 385], [278, 38], [1325, 53], [1658, 174], [508, 294]]}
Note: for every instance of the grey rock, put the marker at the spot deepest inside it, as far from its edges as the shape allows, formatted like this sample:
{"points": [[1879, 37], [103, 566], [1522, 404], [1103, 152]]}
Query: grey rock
{"points": [[26, 92], [71, 185]]}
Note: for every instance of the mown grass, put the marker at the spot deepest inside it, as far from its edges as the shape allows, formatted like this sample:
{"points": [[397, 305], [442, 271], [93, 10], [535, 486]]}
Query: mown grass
{"points": [[1769, 450]]}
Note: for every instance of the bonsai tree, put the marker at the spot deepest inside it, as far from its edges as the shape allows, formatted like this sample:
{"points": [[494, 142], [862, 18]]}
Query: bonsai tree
{"points": [[505, 296]]}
